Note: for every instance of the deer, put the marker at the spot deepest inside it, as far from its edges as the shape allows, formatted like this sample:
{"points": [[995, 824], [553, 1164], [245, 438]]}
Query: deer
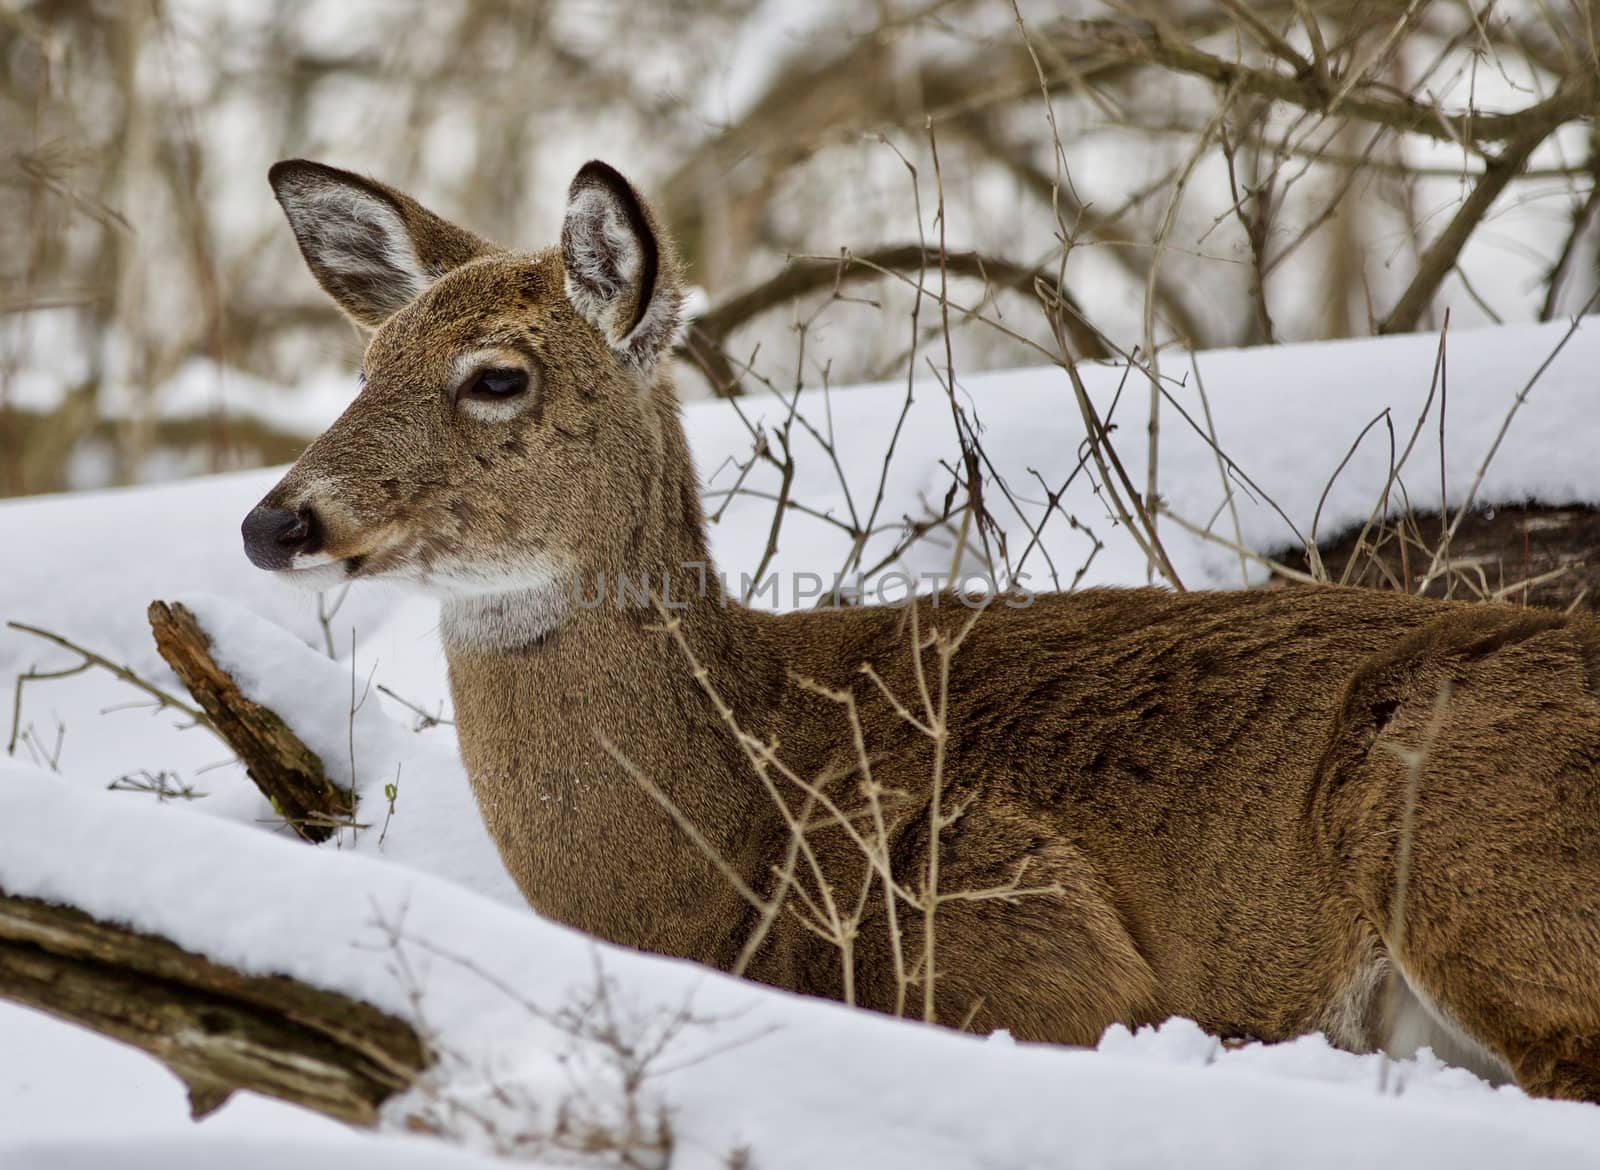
{"points": [[1275, 812]]}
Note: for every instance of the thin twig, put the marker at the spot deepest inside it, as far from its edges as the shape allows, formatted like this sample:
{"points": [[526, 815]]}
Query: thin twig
{"points": [[164, 700]]}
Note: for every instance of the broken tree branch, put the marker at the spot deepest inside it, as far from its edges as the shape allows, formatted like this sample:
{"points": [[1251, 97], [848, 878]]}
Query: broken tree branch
{"points": [[288, 773], [218, 1029]]}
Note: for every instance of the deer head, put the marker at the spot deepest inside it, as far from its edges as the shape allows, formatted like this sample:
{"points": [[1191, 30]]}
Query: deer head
{"points": [[513, 415]]}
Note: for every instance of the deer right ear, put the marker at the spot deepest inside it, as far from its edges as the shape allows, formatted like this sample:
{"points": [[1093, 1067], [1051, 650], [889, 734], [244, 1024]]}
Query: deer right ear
{"points": [[621, 271], [372, 249]]}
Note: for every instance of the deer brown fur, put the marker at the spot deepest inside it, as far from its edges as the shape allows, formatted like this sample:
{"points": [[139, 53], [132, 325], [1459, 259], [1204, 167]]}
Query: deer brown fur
{"points": [[1214, 792]]}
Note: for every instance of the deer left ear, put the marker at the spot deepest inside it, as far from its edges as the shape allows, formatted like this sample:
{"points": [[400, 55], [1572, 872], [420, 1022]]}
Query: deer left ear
{"points": [[371, 248], [621, 271]]}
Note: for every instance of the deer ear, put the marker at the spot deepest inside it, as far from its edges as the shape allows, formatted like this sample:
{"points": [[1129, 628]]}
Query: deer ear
{"points": [[622, 274], [372, 249]]}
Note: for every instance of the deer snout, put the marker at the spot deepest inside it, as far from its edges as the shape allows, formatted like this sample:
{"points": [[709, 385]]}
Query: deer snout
{"points": [[273, 537]]}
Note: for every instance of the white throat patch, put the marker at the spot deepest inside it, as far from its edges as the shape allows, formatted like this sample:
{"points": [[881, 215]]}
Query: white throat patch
{"points": [[501, 615]]}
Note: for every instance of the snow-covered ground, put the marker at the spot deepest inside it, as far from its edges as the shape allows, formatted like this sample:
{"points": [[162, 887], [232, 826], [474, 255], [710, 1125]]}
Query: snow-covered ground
{"points": [[796, 1083]]}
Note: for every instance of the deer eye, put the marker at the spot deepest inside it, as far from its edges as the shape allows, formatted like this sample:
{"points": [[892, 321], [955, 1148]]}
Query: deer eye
{"points": [[493, 384]]}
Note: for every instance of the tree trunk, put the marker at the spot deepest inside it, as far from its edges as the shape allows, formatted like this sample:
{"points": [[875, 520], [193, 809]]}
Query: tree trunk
{"points": [[219, 1030]]}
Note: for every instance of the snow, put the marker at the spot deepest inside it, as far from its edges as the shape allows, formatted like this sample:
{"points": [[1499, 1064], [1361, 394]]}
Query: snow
{"points": [[205, 1153], [1286, 415], [798, 1083], [362, 748]]}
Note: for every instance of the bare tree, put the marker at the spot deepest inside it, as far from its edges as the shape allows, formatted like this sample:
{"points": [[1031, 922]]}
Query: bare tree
{"points": [[1196, 174]]}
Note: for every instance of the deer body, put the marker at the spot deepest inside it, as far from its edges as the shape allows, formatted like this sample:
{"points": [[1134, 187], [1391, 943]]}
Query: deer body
{"points": [[1257, 810]]}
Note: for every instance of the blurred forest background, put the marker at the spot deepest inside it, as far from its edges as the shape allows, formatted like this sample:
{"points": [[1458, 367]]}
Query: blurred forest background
{"points": [[1150, 175]]}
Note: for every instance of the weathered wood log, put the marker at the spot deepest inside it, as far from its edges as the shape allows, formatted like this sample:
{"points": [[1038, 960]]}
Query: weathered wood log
{"points": [[1526, 554], [289, 773], [219, 1030]]}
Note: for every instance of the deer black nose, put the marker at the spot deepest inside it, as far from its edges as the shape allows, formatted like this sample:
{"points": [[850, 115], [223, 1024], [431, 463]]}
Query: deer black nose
{"points": [[273, 536]]}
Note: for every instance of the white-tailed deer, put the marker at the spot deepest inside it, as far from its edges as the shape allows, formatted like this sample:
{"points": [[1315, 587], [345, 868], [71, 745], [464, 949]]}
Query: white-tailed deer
{"points": [[1254, 809]]}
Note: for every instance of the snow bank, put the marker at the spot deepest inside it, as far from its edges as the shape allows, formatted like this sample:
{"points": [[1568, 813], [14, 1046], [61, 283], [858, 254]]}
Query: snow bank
{"points": [[1287, 416], [209, 1153], [432, 823], [801, 1083]]}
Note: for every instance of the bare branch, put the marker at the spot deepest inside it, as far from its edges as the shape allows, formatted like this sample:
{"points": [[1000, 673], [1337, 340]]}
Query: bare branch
{"points": [[1537, 123], [1153, 45]]}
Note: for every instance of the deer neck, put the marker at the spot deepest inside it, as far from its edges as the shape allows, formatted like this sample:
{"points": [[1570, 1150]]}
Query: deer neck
{"points": [[573, 702]]}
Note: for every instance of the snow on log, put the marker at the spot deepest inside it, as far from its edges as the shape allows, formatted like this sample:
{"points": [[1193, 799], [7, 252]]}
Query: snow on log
{"points": [[218, 1029], [289, 773]]}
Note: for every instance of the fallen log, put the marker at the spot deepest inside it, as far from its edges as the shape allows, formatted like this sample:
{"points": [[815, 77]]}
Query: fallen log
{"points": [[1524, 554], [218, 1029], [289, 773]]}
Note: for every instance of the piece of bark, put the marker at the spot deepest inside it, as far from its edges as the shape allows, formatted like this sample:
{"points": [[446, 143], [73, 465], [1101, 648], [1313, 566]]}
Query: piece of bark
{"points": [[290, 774], [218, 1029]]}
